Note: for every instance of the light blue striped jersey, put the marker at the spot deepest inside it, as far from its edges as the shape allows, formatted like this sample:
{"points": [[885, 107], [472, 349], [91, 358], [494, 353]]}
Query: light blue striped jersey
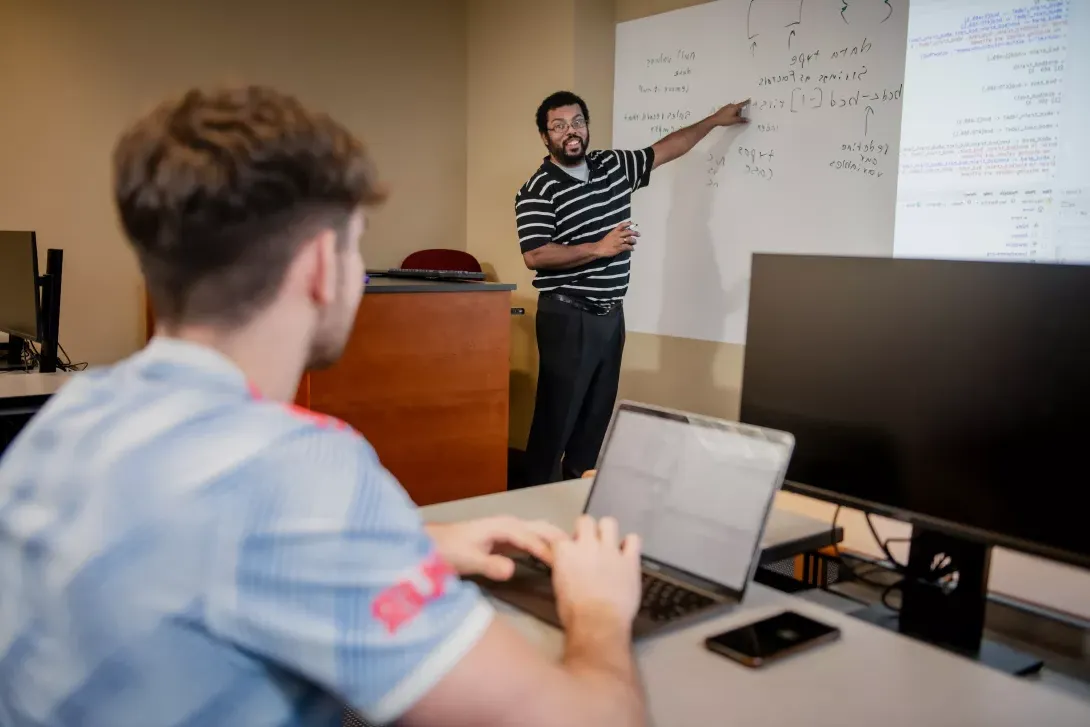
{"points": [[175, 550]]}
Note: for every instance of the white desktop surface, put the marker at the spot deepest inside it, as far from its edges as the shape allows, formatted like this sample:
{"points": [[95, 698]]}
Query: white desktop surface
{"points": [[869, 677], [18, 383]]}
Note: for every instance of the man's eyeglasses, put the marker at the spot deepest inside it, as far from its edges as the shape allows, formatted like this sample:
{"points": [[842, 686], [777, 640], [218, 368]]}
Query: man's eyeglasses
{"points": [[559, 127]]}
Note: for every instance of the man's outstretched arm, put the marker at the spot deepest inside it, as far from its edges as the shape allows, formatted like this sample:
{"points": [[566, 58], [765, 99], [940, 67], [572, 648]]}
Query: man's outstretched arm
{"points": [[681, 142]]}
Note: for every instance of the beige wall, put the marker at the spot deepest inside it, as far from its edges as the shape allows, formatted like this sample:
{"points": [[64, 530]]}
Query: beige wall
{"points": [[425, 96], [72, 74], [520, 51]]}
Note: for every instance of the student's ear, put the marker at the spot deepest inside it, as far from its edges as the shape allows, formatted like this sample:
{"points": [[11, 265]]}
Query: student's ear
{"points": [[321, 267]]}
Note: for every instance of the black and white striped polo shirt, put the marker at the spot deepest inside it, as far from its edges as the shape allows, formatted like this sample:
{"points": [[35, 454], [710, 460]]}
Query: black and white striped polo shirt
{"points": [[556, 207]]}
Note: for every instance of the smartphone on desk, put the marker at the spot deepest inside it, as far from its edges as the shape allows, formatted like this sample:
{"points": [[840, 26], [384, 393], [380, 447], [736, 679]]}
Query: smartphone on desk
{"points": [[773, 638]]}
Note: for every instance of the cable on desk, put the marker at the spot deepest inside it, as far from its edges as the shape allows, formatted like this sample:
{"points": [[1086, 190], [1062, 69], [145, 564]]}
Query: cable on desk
{"points": [[32, 359], [69, 366], [895, 586], [884, 545], [840, 557], [887, 588]]}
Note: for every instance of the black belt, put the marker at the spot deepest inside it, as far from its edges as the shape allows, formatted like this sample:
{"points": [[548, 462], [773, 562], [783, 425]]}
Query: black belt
{"points": [[587, 306]]}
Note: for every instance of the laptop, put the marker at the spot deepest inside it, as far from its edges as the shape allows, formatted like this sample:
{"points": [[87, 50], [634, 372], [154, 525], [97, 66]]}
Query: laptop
{"points": [[697, 490]]}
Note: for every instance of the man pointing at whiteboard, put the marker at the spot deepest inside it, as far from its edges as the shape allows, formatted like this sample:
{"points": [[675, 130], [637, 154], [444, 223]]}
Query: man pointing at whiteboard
{"points": [[575, 229]]}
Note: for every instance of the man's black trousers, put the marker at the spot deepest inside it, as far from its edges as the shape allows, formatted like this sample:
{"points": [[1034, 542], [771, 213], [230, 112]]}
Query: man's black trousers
{"points": [[580, 365]]}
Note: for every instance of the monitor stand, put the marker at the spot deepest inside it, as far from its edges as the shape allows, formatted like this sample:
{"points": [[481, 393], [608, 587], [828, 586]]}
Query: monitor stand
{"points": [[949, 616]]}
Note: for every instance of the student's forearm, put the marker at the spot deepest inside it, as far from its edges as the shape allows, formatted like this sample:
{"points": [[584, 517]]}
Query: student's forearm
{"points": [[554, 256], [681, 142], [606, 685]]}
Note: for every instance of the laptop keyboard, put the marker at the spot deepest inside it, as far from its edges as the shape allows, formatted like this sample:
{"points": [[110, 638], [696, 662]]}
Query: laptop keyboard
{"points": [[660, 601], [663, 601]]}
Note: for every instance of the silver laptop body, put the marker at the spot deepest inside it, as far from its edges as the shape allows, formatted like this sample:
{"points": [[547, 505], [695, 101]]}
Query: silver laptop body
{"points": [[697, 490]]}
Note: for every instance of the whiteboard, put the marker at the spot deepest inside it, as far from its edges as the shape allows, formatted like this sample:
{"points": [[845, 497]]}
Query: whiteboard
{"points": [[815, 170]]}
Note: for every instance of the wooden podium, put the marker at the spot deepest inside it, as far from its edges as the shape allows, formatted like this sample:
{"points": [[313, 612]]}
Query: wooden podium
{"points": [[425, 379]]}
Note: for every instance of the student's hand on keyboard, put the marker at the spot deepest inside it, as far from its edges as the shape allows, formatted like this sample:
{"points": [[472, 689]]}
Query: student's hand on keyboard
{"points": [[477, 547], [596, 574]]}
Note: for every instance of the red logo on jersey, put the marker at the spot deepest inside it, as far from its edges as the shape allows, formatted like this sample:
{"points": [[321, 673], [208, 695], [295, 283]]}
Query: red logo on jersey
{"points": [[401, 602]]}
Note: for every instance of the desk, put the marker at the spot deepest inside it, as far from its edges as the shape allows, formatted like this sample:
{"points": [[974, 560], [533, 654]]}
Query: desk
{"points": [[23, 393], [21, 396], [870, 677], [425, 378]]}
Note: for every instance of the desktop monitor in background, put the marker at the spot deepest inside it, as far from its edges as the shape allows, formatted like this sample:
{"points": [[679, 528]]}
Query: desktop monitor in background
{"points": [[952, 395], [20, 307], [30, 304]]}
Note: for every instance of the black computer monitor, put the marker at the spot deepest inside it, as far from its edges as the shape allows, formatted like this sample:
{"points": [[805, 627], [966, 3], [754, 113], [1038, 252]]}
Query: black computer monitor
{"points": [[20, 306], [30, 304], [954, 395]]}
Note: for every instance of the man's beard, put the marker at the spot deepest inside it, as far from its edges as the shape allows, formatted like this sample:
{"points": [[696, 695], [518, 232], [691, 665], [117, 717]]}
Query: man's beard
{"points": [[560, 152], [325, 351]]}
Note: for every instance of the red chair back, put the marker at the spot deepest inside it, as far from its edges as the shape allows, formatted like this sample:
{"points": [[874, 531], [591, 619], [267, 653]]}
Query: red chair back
{"points": [[441, 259]]}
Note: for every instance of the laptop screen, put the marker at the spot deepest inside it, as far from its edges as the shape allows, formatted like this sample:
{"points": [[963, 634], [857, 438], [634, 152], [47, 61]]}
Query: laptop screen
{"points": [[697, 492]]}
